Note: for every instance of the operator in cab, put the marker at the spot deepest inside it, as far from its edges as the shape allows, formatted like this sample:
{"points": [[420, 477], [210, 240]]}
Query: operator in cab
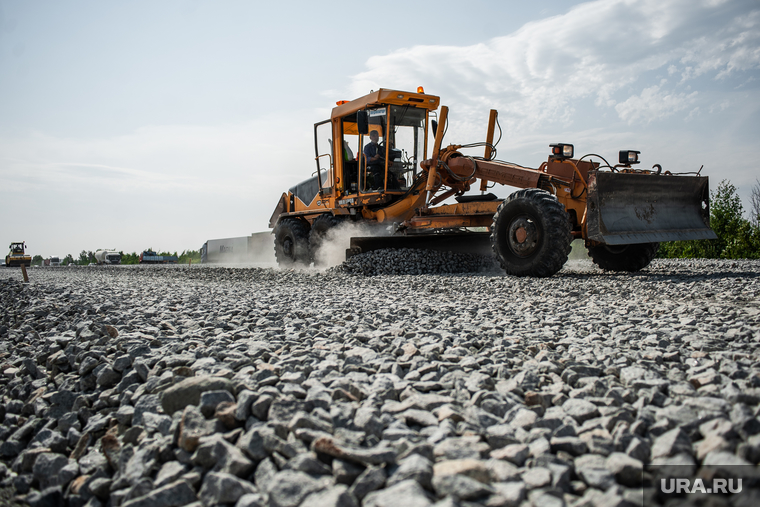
{"points": [[373, 154]]}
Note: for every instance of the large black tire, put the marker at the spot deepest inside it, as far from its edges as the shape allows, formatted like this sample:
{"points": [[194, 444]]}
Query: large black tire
{"points": [[319, 228], [291, 242], [530, 234], [623, 257]]}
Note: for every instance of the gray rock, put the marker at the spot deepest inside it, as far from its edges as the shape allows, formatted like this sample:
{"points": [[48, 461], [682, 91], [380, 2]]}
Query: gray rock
{"points": [[147, 403], [408, 493], [514, 453], [193, 426], [46, 468], [580, 410], [672, 442], [260, 407], [510, 494], [626, 470], [460, 486], [169, 472], [372, 479], [290, 487], [245, 399], [308, 463], [592, 469], [108, 377], [414, 467], [176, 494], [214, 451], [211, 399], [336, 496], [251, 500], [571, 445], [188, 391], [221, 487], [345, 472], [537, 477]]}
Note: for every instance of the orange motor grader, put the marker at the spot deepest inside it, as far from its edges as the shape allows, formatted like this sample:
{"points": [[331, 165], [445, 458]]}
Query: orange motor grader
{"points": [[376, 164]]}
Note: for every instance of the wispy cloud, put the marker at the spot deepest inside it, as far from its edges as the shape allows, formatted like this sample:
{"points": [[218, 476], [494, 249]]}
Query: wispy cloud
{"points": [[653, 104], [600, 50]]}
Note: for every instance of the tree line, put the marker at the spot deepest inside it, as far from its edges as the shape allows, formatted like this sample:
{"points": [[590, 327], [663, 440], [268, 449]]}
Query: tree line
{"points": [[738, 237], [88, 257]]}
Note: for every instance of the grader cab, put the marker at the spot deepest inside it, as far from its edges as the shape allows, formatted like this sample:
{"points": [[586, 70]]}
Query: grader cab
{"points": [[377, 164]]}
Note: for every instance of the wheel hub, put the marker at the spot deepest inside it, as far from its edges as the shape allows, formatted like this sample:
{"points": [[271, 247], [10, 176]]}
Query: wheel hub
{"points": [[523, 236], [287, 247]]}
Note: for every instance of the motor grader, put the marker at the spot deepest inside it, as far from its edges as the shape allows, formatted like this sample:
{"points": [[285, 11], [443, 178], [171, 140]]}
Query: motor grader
{"points": [[373, 167]]}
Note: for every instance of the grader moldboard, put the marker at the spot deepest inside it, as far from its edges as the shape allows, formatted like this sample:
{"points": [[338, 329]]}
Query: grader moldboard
{"points": [[621, 212]]}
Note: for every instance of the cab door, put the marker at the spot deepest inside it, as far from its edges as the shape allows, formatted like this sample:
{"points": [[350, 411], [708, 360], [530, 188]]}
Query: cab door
{"points": [[323, 146]]}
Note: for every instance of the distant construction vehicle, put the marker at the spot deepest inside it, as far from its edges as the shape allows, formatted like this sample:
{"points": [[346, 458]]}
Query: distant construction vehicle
{"points": [[151, 257], [621, 212], [52, 262], [254, 248], [17, 256], [107, 257]]}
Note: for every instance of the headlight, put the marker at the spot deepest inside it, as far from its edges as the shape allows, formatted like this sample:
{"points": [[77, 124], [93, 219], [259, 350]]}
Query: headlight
{"points": [[629, 157], [562, 150]]}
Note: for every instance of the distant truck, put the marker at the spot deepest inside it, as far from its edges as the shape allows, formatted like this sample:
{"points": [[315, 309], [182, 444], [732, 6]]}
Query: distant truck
{"points": [[247, 249], [151, 257], [17, 256], [107, 257], [52, 261]]}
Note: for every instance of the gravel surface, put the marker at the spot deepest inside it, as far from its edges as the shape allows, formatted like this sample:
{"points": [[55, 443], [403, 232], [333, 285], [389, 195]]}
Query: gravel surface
{"points": [[164, 386]]}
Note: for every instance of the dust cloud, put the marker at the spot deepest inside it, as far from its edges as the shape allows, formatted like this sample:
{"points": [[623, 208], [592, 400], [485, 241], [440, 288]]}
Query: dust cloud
{"points": [[338, 239]]}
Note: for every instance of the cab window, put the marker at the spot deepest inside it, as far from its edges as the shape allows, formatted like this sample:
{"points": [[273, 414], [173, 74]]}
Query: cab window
{"points": [[407, 146], [372, 158]]}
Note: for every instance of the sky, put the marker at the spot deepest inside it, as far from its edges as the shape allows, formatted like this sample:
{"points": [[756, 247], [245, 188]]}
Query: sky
{"points": [[129, 125]]}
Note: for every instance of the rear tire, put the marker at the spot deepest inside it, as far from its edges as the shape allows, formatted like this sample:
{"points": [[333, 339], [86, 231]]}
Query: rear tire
{"points": [[530, 234], [623, 257], [291, 243], [319, 228]]}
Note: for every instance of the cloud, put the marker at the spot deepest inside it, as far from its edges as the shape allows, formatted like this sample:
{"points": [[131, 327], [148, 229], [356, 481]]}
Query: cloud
{"points": [[605, 52], [653, 104]]}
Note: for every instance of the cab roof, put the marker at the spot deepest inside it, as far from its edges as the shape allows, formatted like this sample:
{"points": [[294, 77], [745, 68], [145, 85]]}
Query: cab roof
{"points": [[385, 96]]}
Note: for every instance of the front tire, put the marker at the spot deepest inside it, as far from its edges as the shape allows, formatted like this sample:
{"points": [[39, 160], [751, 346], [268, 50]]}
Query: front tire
{"points": [[623, 257], [291, 242], [530, 234]]}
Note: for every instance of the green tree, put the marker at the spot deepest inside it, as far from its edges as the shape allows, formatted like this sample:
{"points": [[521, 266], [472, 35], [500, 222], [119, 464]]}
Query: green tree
{"points": [[187, 256], [737, 237], [69, 259], [37, 260], [754, 200], [131, 258], [82, 261]]}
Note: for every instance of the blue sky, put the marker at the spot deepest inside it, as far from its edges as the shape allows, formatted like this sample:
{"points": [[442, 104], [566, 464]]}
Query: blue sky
{"points": [[164, 124]]}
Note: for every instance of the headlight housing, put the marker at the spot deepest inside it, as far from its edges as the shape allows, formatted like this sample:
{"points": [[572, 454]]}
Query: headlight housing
{"points": [[562, 151], [629, 157]]}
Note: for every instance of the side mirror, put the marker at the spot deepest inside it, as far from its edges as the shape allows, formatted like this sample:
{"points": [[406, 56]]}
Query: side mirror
{"points": [[435, 126], [362, 122]]}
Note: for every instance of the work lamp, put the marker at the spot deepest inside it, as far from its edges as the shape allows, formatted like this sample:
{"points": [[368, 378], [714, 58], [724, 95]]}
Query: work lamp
{"points": [[629, 157], [562, 150]]}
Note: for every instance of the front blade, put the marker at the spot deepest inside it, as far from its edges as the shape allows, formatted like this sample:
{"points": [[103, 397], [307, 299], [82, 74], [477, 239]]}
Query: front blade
{"points": [[627, 208], [469, 242]]}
